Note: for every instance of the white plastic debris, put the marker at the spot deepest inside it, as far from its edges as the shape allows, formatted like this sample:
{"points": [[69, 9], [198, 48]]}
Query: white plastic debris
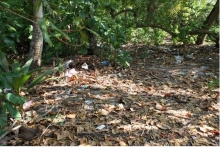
{"points": [[120, 107], [190, 56], [179, 59], [66, 64], [88, 102], [85, 66], [6, 90], [119, 74], [100, 127], [88, 107], [27, 104], [71, 72]]}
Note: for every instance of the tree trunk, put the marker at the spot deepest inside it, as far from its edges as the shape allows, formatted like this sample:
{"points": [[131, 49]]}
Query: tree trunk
{"points": [[92, 44], [92, 50], [208, 23], [37, 39]]}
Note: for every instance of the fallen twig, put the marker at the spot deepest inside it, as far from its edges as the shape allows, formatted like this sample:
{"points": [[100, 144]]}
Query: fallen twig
{"points": [[12, 128], [8, 131]]}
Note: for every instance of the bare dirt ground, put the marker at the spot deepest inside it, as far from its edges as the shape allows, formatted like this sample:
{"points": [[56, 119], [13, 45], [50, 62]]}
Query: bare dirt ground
{"points": [[157, 101]]}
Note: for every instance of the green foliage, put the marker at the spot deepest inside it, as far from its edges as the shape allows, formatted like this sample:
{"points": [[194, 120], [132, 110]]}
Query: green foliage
{"points": [[124, 59], [42, 24], [12, 28], [11, 103], [37, 5], [214, 83], [18, 75], [15, 77], [67, 25]]}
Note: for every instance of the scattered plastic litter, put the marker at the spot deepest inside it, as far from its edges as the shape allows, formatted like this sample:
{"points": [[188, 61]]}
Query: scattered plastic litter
{"points": [[84, 86], [104, 63], [27, 104], [100, 127], [85, 66], [6, 90], [179, 59], [66, 64], [189, 56], [71, 72], [88, 102]]}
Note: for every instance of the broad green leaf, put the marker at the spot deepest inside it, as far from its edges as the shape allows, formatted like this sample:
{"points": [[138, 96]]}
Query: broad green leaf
{"points": [[60, 31], [13, 111], [3, 82], [3, 117], [15, 98], [93, 32], [42, 24], [24, 69], [10, 28], [18, 82], [40, 78], [84, 37], [16, 67], [8, 41], [3, 61], [37, 5]]}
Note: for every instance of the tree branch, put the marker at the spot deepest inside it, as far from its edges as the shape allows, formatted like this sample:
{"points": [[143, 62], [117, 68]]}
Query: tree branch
{"points": [[196, 32], [157, 26], [17, 14], [120, 12]]}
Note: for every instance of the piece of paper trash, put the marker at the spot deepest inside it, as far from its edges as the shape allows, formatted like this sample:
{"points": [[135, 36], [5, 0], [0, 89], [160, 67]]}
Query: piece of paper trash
{"points": [[100, 127], [85, 66], [71, 72], [88, 102], [27, 104]]}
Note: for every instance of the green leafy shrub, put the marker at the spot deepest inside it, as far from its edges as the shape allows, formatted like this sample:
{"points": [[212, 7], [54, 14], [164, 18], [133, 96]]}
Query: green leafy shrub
{"points": [[214, 83], [124, 58], [14, 78]]}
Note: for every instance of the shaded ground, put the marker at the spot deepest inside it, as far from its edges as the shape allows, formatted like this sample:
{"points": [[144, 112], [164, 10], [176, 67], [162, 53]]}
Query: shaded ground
{"points": [[154, 102]]}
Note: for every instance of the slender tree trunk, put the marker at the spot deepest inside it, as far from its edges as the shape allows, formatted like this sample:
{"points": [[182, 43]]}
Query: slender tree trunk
{"points": [[92, 44], [212, 17], [92, 50], [37, 39]]}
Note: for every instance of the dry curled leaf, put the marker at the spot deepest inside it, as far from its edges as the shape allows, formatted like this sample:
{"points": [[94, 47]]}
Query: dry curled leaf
{"points": [[167, 95], [122, 143], [62, 135], [103, 112], [216, 132], [28, 133], [163, 126], [160, 107], [72, 115]]}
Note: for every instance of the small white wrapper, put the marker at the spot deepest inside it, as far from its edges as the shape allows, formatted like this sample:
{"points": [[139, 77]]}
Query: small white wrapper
{"points": [[88, 102], [100, 127]]}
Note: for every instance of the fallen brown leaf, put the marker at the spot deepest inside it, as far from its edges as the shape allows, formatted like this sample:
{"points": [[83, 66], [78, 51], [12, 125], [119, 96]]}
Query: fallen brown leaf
{"points": [[28, 133], [72, 115]]}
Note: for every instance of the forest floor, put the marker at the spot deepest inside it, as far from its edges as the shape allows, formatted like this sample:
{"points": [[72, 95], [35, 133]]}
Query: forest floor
{"points": [[156, 101]]}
